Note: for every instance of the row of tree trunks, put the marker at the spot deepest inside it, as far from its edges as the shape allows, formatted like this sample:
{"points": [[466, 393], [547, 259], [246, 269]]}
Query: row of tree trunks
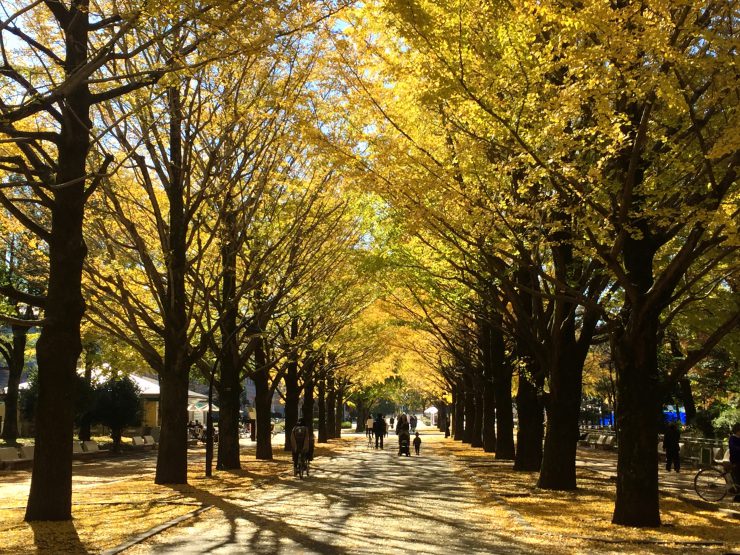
{"points": [[459, 411], [331, 406], [322, 411]]}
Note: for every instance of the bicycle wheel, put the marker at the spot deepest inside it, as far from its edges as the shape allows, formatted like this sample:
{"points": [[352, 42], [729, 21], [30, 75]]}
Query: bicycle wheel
{"points": [[710, 484]]}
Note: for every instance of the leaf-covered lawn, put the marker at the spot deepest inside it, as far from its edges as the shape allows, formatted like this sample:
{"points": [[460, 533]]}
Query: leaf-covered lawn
{"points": [[111, 505], [585, 514]]}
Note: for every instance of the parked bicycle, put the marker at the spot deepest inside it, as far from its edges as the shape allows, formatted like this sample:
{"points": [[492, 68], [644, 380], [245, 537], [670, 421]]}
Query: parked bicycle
{"points": [[715, 483]]}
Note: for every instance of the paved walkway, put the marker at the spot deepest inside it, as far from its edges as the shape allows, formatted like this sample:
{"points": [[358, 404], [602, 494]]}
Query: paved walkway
{"points": [[363, 501]]}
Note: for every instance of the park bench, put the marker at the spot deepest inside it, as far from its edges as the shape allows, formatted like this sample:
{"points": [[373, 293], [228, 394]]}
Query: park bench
{"points": [[141, 443], [149, 440], [584, 441], [594, 439], [10, 459], [608, 442], [8, 456]]}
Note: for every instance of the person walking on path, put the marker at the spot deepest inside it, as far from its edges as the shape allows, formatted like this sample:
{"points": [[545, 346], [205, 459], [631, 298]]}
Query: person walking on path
{"points": [[735, 458], [379, 429], [369, 427], [300, 442], [417, 443], [672, 448], [392, 420]]}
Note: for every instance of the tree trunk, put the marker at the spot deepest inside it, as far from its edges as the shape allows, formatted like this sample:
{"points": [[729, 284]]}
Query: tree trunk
{"points": [[85, 423], [339, 412], [477, 439], [459, 422], [308, 386], [59, 345], [558, 470], [361, 415], [172, 460], [15, 369], [172, 457], [531, 421], [229, 393], [687, 397], [263, 400], [229, 384], [469, 430], [322, 410], [292, 391], [504, 411], [639, 411], [331, 399]]}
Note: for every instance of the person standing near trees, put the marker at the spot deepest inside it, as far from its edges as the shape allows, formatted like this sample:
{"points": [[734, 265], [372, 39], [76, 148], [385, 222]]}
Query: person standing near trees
{"points": [[379, 429], [672, 448], [369, 427]]}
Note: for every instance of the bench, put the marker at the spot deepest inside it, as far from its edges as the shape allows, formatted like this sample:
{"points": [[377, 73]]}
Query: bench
{"points": [[12, 457], [149, 440], [138, 441]]}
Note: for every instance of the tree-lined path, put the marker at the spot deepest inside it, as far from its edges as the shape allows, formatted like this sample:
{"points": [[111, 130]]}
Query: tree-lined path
{"points": [[362, 501]]}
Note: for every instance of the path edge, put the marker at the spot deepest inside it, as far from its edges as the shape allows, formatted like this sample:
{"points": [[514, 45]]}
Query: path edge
{"points": [[154, 531]]}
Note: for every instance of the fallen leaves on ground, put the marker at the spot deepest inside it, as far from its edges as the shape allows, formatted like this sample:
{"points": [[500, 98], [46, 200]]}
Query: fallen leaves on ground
{"points": [[117, 499], [585, 515]]}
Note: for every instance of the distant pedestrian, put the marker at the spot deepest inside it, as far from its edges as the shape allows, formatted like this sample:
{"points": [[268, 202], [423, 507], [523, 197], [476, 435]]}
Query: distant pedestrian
{"points": [[379, 429], [417, 443], [672, 448], [392, 420], [369, 427], [412, 422]]}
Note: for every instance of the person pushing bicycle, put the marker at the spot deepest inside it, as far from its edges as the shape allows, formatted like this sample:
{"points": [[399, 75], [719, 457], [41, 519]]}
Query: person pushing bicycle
{"points": [[300, 442]]}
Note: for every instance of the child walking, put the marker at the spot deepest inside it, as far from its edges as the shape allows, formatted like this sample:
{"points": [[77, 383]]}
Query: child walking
{"points": [[417, 443]]}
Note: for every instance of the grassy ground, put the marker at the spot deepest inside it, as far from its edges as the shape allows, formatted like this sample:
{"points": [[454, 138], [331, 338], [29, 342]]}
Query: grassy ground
{"points": [[585, 514], [116, 499]]}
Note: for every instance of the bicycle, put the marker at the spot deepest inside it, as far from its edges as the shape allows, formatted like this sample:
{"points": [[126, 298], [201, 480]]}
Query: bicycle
{"points": [[715, 483], [303, 465]]}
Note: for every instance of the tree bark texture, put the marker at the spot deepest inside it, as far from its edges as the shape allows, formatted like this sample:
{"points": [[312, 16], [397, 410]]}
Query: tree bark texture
{"points": [[59, 345], [308, 390], [531, 420], [639, 412], [339, 413], [172, 456], [263, 400]]}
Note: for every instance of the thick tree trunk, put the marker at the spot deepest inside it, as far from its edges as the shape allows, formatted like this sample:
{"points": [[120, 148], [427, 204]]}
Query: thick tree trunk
{"points": [[59, 345], [531, 421], [172, 457], [15, 369], [322, 410], [558, 469], [172, 460], [331, 399], [262, 403], [229, 393], [639, 411], [229, 384], [459, 422]]}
